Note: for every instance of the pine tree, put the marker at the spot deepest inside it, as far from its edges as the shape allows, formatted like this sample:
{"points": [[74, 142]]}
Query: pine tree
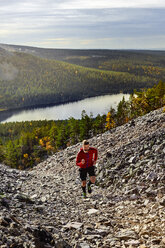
{"points": [[1, 151], [123, 112], [74, 130], [61, 139], [53, 135], [12, 154], [99, 124], [85, 126]]}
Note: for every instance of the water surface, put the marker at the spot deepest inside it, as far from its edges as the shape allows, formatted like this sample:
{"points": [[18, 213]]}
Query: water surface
{"points": [[96, 105]]}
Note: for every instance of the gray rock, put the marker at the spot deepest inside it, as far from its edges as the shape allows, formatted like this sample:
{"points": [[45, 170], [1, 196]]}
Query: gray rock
{"points": [[162, 201], [92, 211], [125, 209], [75, 225], [126, 234], [132, 159], [84, 245]]}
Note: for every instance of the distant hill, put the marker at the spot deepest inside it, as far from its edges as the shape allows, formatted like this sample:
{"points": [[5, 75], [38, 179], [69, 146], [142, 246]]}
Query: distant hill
{"points": [[58, 52], [32, 76], [93, 57]]}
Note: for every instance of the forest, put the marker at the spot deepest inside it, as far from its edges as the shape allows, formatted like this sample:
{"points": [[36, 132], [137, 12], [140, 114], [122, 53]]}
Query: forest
{"points": [[25, 144], [35, 78]]}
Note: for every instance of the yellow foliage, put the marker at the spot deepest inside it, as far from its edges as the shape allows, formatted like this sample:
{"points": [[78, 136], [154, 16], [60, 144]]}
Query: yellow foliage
{"points": [[26, 155], [41, 143], [126, 119], [110, 123], [45, 142], [164, 109], [48, 146], [45, 139]]}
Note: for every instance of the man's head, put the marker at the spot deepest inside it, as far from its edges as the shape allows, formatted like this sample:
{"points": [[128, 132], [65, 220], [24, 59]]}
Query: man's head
{"points": [[85, 145]]}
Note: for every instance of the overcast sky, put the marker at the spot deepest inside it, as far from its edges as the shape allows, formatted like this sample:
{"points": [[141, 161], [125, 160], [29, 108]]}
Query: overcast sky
{"points": [[112, 24]]}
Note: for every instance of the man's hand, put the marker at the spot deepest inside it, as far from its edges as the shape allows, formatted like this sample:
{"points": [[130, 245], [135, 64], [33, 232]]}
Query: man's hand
{"points": [[83, 161]]}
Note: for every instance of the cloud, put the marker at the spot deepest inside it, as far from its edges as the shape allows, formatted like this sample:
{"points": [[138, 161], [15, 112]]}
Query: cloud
{"points": [[78, 23], [48, 6], [86, 4]]}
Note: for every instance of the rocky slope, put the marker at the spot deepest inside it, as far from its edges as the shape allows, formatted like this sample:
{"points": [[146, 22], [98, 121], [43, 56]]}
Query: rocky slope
{"points": [[43, 207]]}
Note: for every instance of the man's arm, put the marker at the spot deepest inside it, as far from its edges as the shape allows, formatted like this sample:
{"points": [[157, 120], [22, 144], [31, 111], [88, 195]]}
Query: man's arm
{"points": [[95, 156], [78, 159]]}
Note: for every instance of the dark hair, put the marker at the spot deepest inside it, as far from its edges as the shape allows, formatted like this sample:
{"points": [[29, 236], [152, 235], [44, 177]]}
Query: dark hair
{"points": [[85, 142]]}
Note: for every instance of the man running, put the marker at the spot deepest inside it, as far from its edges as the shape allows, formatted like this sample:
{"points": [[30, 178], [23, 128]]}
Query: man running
{"points": [[86, 159]]}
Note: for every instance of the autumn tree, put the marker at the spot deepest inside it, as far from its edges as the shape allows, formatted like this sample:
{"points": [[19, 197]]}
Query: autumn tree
{"points": [[110, 123]]}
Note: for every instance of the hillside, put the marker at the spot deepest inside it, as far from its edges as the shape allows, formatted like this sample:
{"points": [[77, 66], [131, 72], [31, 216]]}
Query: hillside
{"points": [[126, 208], [139, 62], [92, 57], [31, 78]]}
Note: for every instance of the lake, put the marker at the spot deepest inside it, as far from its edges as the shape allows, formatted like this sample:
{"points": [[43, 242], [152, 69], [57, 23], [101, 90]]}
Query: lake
{"points": [[96, 105]]}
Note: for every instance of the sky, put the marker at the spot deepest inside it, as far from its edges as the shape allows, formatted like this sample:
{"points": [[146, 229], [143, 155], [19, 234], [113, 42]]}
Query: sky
{"points": [[84, 24]]}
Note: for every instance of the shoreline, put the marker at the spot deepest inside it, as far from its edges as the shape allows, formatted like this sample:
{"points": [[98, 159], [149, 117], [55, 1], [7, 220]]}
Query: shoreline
{"points": [[4, 114]]}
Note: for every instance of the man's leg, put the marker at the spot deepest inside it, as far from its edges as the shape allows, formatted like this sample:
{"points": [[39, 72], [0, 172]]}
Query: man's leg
{"points": [[92, 178], [83, 185], [83, 175]]}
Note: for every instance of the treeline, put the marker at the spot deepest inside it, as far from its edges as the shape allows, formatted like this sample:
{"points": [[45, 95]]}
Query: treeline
{"points": [[27, 80], [25, 144]]}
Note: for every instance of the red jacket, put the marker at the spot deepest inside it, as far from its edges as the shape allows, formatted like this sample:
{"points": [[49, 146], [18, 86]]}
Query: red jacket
{"points": [[90, 157]]}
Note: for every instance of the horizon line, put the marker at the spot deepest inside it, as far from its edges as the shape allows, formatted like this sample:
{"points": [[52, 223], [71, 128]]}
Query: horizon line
{"points": [[127, 49]]}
